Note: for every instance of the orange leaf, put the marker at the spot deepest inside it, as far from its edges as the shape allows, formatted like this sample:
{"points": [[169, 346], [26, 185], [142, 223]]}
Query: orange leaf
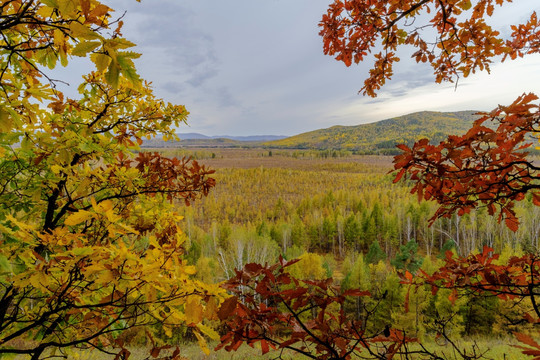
{"points": [[536, 199], [264, 346], [512, 223], [408, 275], [526, 339]]}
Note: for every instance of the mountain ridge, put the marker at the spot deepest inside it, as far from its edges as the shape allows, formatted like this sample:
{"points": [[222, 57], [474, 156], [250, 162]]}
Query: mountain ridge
{"points": [[382, 136]]}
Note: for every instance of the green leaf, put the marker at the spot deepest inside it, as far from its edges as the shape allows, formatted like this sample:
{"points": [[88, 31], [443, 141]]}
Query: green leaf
{"points": [[5, 264], [113, 74], [84, 47], [128, 69]]}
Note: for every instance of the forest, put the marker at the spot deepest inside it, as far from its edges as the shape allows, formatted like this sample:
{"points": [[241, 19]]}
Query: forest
{"points": [[110, 250], [346, 220]]}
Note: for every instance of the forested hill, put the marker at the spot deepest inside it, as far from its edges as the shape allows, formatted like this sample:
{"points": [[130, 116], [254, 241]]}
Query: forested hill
{"points": [[382, 137]]}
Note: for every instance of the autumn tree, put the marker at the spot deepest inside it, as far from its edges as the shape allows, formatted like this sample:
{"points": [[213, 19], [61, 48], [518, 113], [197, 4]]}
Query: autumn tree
{"points": [[90, 241]]}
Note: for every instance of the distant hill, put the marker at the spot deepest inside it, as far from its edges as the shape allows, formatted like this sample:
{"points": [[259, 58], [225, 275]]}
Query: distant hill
{"points": [[197, 136], [381, 137], [252, 138], [200, 140], [193, 136]]}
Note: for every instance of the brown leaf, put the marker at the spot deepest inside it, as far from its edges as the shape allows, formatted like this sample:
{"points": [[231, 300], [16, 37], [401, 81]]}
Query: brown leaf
{"points": [[227, 308]]}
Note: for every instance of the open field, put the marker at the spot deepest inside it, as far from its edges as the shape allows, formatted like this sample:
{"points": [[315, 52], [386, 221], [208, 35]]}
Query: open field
{"points": [[493, 349], [290, 159]]}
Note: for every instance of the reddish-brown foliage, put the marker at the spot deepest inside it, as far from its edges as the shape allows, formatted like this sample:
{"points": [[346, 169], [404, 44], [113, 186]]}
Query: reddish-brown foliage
{"points": [[279, 311], [461, 42], [485, 167]]}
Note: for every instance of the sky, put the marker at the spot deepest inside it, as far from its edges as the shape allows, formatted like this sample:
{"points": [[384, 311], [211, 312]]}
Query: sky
{"points": [[253, 67]]}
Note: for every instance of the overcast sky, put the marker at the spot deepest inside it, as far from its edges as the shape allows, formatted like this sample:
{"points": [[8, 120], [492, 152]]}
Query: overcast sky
{"points": [[251, 67]]}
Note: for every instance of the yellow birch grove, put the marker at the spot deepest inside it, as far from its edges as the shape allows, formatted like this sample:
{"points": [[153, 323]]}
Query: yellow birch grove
{"points": [[90, 243]]}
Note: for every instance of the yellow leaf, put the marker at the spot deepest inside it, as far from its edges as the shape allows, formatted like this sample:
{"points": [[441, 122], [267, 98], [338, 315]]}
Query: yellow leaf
{"points": [[168, 331], [6, 230], [128, 228], [56, 169], [103, 207], [6, 123], [211, 309], [59, 38], [466, 5], [211, 333], [78, 30], [111, 216], [202, 343], [67, 7], [190, 270], [78, 217], [84, 47], [37, 280], [193, 310], [46, 11], [20, 225], [102, 61]]}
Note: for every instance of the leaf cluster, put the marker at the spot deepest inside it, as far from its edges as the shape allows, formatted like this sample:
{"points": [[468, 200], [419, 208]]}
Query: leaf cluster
{"points": [[279, 311], [455, 39]]}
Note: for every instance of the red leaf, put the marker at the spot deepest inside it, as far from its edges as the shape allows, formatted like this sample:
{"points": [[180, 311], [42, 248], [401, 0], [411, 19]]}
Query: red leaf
{"points": [[356, 292], [264, 346], [253, 267], [526, 339], [399, 175]]}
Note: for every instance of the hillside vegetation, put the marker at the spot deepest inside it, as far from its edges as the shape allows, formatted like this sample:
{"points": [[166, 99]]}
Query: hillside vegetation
{"points": [[382, 137]]}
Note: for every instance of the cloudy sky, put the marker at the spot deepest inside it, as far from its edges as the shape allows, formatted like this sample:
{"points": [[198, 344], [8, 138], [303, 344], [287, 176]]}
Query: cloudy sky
{"points": [[251, 67]]}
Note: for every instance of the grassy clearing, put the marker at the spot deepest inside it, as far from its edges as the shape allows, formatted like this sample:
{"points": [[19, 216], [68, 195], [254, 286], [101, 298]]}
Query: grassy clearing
{"points": [[493, 349]]}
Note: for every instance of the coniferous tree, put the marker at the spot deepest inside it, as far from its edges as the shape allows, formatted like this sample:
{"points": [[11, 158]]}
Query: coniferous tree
{"points": [[408, 257], [375, 253]]}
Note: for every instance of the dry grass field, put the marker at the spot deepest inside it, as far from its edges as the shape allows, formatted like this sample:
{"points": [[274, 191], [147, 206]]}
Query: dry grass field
{"points": [[288, 159], [492, 349]]}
